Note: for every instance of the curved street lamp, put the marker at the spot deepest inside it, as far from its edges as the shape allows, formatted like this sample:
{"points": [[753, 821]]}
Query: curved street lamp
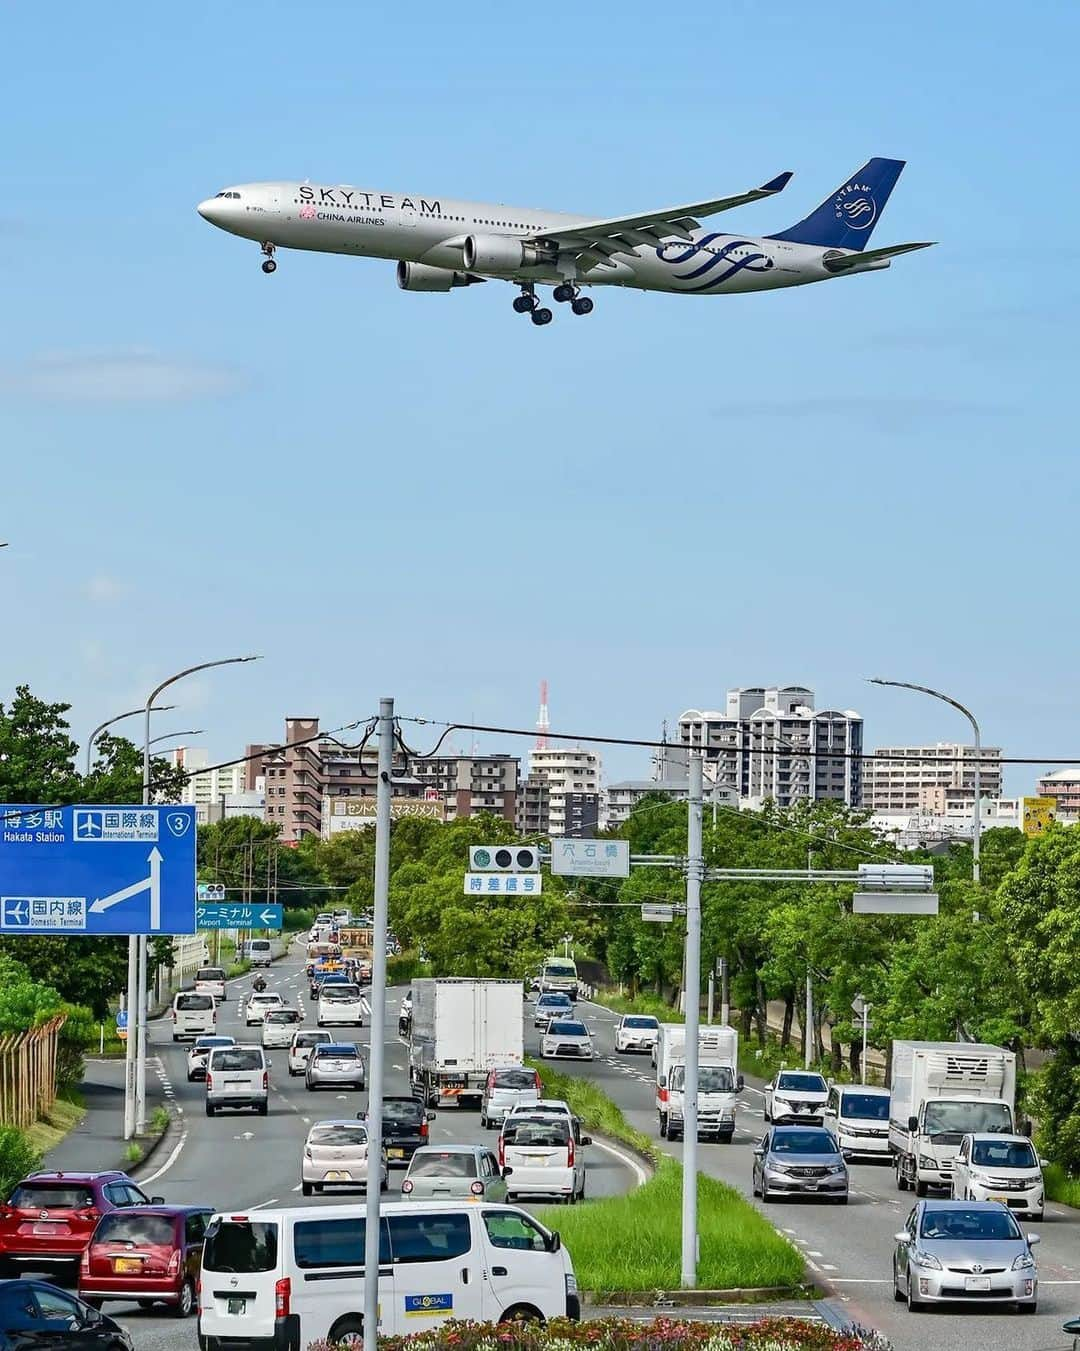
{"points": [[161, 708], [976, 828]]}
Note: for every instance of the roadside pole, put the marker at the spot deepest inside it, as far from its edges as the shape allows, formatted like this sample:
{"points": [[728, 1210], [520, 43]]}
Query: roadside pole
{"points": [[139, 1007], [808, 1037], [725, 1001], [865, 1026], [695, 867], [383, 793], [129, 1044]]}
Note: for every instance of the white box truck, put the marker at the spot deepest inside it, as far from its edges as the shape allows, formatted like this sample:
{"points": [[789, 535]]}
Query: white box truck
{"points": [[719, 1081], [461, 1029], [939, 1091]]}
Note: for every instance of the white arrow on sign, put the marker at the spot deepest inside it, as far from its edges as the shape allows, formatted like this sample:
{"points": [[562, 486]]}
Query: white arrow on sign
{"points": [[268, 916], [152, 884]]}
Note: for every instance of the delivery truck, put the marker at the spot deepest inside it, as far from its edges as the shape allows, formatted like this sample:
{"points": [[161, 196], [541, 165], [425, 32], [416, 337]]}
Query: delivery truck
{"points": [[939, 1091], [719, 1081], [461, 1029]]}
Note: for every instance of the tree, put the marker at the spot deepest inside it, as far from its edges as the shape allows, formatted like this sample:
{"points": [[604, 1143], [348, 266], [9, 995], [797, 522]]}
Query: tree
{"points": [[37, 756]]}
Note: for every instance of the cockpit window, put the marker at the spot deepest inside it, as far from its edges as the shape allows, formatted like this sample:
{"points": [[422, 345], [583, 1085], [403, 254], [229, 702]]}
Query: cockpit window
{"points": [[235, 195]]}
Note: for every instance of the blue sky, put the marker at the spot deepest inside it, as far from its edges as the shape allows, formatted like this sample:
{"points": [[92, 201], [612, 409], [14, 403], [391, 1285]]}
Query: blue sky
{"points": [[423, 495]]}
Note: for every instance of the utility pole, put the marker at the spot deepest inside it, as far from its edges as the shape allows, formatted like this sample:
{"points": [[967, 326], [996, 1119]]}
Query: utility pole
{"points": [[695, 868], [809, 1020], [712, 992], [383, 792], [725, 995]]}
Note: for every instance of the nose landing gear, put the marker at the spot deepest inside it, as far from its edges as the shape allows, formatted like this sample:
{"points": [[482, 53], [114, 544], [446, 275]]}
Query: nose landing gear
{"points": [[269, 265]]}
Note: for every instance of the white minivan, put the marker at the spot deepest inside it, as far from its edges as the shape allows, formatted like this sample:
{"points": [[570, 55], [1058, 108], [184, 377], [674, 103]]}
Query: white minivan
{"points": [[193, 1014], [238, 1076], [340, 1006], [287, 1278], [259, 952]]}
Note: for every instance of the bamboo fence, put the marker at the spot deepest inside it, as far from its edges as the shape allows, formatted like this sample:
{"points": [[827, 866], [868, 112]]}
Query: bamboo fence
{"points": [[28, 1073]]}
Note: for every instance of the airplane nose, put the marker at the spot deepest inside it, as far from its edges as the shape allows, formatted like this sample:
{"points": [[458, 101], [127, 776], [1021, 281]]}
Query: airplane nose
{"points": [[210, 210]]}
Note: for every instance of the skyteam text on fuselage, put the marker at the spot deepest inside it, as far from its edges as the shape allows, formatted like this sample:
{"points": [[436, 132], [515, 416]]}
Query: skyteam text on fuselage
{"points": [[440, 243]]}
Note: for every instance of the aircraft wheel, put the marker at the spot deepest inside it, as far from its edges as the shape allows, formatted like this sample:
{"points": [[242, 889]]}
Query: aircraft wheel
{"points": [[582, 305], [542, 315], [269, 266]]}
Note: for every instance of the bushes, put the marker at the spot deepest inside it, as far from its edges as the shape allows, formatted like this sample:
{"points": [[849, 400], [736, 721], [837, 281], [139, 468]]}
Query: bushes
{"points": [[17, 1158], [623, 1334], [596, 1109], [405, 968]]}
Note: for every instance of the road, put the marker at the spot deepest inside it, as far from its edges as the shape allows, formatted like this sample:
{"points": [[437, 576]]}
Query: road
{"points": [[242, 1161], [850, 1248]]}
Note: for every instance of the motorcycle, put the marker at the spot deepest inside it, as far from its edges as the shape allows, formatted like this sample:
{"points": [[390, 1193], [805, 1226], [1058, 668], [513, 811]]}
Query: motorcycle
{"points": [[258, 984]]}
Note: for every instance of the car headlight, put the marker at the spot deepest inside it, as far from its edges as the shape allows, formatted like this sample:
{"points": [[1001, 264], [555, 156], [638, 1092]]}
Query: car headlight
{"points": [[980, 1179], [1024, 1262], [780, 1102], [926, 1162], [922, 1258], [775, 1167], [837, 1168], [728, 1114]]}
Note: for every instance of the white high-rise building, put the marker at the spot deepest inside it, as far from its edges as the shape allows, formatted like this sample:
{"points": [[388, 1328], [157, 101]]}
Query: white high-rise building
{"points": [[207, 787], [566, 770], [931, 779]]}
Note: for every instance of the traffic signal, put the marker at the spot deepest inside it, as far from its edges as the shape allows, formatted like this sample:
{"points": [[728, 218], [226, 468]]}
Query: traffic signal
{"points": [[504, 858]]}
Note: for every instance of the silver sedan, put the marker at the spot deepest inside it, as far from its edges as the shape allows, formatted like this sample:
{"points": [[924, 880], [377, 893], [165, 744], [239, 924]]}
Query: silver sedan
{"points": [[335, 1064], [799, 1161], [960, 1251]]}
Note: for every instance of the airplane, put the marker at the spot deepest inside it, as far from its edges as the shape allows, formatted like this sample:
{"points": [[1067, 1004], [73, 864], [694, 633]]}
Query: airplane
{"points": [[440, 243]]}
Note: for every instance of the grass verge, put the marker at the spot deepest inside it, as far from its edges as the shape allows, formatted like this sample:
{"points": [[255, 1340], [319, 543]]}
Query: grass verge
{"points": [[633, 1242], [640, 1003], [64, 1115], [1061, 1186]]}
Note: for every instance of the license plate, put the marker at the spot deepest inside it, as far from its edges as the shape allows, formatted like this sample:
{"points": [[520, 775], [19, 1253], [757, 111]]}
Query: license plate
{"points": [[395, 1153], [237, 1305], [337, 1175], [46, 1228], [1003, 1199], [976, 1282], [124, 1264]]}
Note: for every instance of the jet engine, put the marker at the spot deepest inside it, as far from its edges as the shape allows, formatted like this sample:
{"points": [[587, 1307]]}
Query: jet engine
{"points": [[503, 253], [421, 277]]}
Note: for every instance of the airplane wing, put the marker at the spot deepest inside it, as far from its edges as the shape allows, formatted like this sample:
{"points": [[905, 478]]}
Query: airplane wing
{"points": [[598, 241], [845, 262]]}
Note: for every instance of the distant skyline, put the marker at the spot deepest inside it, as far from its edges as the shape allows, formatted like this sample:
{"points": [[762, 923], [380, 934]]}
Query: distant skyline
{"points": [[425, 495]]}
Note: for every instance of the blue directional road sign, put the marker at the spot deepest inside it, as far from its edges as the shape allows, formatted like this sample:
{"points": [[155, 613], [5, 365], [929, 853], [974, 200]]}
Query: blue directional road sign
{"points": [[97, 870], [226, 916]]}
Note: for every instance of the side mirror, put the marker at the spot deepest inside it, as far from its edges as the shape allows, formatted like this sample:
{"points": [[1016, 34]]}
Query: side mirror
{"points": [[1043, 1163], [506, 1172], [1026, 1129], [91, 1316], [913, 1123], [157, 1200], [1033, 1239], [662, 1081], [554, 1242], [586, 1140], [431, 1116], [740, 1084], [902, 1237]]}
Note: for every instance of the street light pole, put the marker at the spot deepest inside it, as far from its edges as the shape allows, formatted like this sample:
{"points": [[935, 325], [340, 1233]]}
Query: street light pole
{"points": [[695, 868], [976, 825], [383, 793], [161, 708], [135, 1118]]}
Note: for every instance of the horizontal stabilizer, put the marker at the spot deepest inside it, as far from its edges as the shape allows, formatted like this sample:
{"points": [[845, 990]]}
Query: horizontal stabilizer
{"points": [[854, 262]]}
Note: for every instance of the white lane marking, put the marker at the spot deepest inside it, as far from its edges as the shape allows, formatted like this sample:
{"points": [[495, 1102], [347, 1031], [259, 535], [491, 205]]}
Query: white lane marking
{"points": [[627, 1159], [870, 1280], [170, 1160], [827, 1266], [261, 1204], [815, 1254]]}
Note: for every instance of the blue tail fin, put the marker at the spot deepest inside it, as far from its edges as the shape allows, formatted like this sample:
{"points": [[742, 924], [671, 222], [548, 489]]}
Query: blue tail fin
{"points": [[846, 220]]}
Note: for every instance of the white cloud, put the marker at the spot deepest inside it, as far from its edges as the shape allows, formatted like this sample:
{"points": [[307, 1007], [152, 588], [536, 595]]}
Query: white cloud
{"points": [[132, 375]]}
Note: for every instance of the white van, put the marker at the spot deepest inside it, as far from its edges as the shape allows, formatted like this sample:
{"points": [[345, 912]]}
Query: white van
{"points": [[238, 1076], [193, 1014], [259, 951], [340, 1005], [287, 1278], [858, 1116], [211, 980]]}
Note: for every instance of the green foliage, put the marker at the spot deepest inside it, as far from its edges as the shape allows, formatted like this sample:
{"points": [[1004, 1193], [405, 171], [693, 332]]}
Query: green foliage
{"points": [[133, 1153], [405, 968], [245, 853], [17, 1158], [595, 1108], [740, 1248]]}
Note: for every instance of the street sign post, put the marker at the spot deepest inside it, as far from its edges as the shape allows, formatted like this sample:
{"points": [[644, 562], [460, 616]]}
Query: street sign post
{"points": [[122, 1024], [228, 916], [504, 858], [590, 858], [97, 870], [503, 884], [657, 914]]}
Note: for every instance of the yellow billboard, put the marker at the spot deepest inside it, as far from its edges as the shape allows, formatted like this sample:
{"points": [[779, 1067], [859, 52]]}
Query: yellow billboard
{"points": [[1038, 813]]}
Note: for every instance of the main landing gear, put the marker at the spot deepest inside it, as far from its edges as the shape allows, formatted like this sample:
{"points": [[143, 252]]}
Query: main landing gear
{"points": [[529, 303], [269, 265], [578, 303]]}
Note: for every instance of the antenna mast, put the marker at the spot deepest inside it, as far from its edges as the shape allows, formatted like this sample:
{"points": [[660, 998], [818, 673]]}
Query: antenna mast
{"points": [[543, 722]]}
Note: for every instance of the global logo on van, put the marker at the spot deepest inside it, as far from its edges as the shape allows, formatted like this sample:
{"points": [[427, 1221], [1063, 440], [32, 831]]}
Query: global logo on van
{"points": [[421, 1305], [855, 206]]}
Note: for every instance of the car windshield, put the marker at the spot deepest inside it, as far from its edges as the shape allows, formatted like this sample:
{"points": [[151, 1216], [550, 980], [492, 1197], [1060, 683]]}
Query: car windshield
{"points": [[194, 1001], [1003, 1154], [329, 1052], [339, 1135], [310, 1038], [402, 1111], [544, 1134], [210, 973], [443, 1164], [554, 1001], [865, 1106], [711, 1078], [801, 1083], [41, 1196], [516, 1079], [283, 1016], [241, 1246], [565, 1029], [208, 1043], [261, 997], [958, 1118], [341, 994], [635, 1021], [961, 1224], [803, 1142], [225, 1062], [122, 1227]]}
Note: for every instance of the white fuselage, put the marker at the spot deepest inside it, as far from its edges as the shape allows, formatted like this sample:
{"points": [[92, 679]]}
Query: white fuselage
{"points": [[433, 230]]}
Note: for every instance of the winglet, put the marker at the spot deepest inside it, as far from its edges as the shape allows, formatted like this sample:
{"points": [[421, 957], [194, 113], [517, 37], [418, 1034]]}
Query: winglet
{"points": [[777, 184]]}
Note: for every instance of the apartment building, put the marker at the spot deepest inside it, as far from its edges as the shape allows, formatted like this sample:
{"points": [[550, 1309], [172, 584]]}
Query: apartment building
{"points": [[566, 769], [1063, 785], [206, 787], [769, 742], [934, 780], [471, 784], [533, 808]]}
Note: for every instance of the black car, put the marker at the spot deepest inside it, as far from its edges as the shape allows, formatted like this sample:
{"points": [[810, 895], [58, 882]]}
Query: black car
{"points": [[36, 1316], [404, 1128]]}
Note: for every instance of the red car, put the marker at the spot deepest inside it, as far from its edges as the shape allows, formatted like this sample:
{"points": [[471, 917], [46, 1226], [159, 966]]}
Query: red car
{"points": [[48, 1219], [146, 1253]]}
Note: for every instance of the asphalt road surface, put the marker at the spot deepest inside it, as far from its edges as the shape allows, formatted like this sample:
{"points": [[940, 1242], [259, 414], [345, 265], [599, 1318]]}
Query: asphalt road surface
{"points": [[241, 1161], [850, 1248]]}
